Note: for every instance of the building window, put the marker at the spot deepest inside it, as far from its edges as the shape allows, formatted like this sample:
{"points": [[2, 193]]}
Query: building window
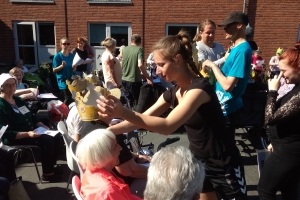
{"points": [[110, 1], [173, 29], [32, 1]]}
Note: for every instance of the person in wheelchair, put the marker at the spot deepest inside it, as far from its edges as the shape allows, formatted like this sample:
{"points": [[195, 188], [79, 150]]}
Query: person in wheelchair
{"points": [[128, 168], [98, 153], [21, 128], [22, 89]]}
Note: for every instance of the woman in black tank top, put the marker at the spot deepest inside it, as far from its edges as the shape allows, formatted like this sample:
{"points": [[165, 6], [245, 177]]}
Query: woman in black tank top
{"points": [[196, 106]]}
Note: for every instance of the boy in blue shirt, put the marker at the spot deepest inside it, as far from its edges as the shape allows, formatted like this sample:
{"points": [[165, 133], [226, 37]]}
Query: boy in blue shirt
{"points": [[233, 78]]}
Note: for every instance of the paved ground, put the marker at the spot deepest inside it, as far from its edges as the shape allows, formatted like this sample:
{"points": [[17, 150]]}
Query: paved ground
{"points": [[50, 191]]}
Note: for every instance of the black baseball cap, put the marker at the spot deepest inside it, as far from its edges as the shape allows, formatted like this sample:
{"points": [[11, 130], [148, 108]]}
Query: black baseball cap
{"points": [[235, 17]]}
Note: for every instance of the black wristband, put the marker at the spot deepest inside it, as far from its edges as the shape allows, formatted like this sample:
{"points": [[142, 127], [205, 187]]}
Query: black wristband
{"points": [[273, 91]]}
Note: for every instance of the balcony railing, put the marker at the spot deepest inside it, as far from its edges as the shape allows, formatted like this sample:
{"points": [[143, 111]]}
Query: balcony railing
{"points": [[32, 1], [110, 1]]}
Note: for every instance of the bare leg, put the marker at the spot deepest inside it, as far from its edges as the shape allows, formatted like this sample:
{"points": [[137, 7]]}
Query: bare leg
{"points": [[208, 196]]}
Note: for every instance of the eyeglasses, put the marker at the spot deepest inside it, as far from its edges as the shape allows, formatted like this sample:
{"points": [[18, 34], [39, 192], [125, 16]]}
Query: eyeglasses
{"points": [[10, 85], [65, 44]]}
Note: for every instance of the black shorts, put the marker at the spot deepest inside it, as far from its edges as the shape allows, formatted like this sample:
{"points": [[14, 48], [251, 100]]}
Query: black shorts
{"points": [[228, 182]]}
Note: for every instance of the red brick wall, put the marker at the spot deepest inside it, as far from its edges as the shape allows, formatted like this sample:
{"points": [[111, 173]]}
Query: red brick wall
{"points": [[275, 21]]}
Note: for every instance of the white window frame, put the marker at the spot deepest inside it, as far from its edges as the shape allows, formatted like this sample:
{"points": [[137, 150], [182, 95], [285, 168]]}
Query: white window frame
{"points": [[179, 24], [17, 45], [108, 29]]}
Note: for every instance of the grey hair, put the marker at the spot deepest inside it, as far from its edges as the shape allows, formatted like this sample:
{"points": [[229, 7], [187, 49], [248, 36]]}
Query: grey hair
{"points": [[109, 42], [174, 174], [94, 150], [17, 61]]}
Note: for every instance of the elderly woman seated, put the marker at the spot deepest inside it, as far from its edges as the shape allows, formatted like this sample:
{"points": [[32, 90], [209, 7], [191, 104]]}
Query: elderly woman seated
{"points": [[22, 90], [21, 128], [98, 153]]}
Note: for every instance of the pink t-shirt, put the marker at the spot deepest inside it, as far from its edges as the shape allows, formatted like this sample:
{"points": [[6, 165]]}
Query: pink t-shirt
{"points": [[109, 72]]}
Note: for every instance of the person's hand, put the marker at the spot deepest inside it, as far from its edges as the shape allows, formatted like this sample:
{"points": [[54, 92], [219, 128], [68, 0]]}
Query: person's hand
{"points": [[207, 64], [42, 125], [149, 81], [141, 159], [63, 63], [32, 134], [270, 148], [74, 67], [274, 83], [110, 107]]}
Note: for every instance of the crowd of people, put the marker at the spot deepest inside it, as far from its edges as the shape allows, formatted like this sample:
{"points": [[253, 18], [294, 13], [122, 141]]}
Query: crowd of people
{"points": [[205, 86]]}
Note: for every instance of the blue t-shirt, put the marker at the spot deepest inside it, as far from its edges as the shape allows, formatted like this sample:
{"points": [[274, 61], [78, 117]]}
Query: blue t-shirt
{"points": [[67, 72], [237, 65]]}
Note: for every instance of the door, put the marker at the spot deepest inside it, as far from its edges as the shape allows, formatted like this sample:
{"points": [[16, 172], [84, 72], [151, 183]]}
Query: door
{"points": [[34, 42], [25, 42], [99, 31]]}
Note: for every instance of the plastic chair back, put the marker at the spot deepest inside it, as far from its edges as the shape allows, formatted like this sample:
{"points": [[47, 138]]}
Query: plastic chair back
{"points": [[73, 145], [61, 127], [76, 185]]}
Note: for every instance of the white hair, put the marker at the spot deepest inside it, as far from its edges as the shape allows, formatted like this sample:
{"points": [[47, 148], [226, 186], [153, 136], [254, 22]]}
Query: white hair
{"points": [[174, 174], [94, 150]]}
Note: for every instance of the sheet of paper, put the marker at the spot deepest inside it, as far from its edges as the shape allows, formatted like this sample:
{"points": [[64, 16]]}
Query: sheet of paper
{"points": [[262, 156], [2, 130], [77, 60], [87, 61], [42, 130], [47, 96]]}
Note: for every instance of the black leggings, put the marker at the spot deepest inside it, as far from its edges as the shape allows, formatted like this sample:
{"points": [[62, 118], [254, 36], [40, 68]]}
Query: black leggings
{"points": [[49, 149], [67, 96], [281, 172]]}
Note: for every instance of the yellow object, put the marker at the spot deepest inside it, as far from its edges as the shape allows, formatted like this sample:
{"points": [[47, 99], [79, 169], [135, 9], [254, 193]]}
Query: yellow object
{"points": [[204, 74], [88, 110], [77, 84], [92, 78]]}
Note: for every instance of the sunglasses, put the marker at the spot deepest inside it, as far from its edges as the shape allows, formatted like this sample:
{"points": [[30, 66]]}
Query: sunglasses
{"points": [[65, 43]]}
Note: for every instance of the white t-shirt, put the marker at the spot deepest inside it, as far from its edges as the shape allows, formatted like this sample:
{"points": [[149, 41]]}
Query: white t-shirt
{"points": [[107, 71]]}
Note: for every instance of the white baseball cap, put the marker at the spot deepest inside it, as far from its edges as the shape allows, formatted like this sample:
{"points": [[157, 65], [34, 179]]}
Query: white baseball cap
{"points": [[4, 77]]}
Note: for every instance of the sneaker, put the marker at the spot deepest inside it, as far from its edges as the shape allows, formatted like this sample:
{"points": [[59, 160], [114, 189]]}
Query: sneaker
{"points": [[52, 178]]}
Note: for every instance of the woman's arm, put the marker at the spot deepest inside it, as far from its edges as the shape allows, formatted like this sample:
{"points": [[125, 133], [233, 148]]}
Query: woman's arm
{"points": [[284, 113], [58, 64], [180, 114], [26, 93], [156, 110], [111, 66]]}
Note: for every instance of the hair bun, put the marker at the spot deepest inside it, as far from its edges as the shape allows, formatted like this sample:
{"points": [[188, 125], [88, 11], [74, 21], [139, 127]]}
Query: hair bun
{"points": [[297, 45]]}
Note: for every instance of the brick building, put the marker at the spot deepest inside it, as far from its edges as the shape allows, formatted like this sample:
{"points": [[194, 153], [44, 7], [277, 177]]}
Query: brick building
{"points": [[31, 29]]}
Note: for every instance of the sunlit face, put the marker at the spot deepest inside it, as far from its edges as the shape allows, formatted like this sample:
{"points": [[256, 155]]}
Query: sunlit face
{"points": [[115, 153], [9, 86], [208, 34], [65, 44], [291, 75], [231, 31], [80, 45], [165, 67], [18, 76]]}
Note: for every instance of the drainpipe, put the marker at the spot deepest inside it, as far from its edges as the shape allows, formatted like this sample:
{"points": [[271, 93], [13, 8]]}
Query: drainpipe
{"points": [[66, 18], [143, 25], [244, 6]]}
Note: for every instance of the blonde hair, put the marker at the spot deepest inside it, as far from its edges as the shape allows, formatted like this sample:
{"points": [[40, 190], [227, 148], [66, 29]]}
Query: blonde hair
{"points": [[109, 42], [14, 70], [64, 38], [168, 47], [94, 150]]}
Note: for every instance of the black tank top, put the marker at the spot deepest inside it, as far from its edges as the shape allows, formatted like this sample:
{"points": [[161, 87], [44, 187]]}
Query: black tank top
{"points": [[206, 129]]}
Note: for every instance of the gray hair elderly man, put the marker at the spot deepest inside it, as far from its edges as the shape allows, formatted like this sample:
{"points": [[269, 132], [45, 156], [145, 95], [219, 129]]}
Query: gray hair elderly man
{"points": [[174, 174]]}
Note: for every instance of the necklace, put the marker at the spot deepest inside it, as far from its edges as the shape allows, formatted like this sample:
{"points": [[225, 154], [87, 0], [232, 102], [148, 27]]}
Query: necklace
{"points": [[11, 101]]}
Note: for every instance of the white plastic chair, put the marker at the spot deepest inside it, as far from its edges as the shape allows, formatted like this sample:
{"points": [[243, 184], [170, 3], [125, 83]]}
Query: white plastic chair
{"points": [[73, 146], [61, 127], [76, 185]]}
